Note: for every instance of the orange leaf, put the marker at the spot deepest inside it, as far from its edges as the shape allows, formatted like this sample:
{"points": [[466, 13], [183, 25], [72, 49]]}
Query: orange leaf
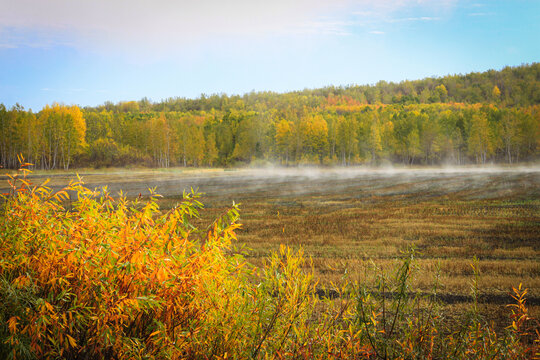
{"points": [[12, 324]]}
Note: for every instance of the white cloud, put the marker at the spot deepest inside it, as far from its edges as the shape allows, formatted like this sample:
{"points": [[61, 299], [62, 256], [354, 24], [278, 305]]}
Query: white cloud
{"points": [[327, 27], [376, 32], [158, 21], [171, 25], [411, 19]]}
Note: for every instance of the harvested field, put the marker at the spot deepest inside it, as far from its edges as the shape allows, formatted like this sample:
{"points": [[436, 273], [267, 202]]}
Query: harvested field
{"points": [[352, 221]]}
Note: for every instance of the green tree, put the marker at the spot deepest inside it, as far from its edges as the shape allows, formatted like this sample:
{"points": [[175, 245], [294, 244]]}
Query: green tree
{"points": [[480, 143], [529, 126], [98, 125], [210, 150], [441, 92], [246, 141], [510, 134], [425, 95], [374, 140], [347, 141], [431, 139]]}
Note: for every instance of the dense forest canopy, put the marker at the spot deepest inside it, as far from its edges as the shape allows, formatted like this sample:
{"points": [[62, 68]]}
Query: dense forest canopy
{"points": [[492, 116]]}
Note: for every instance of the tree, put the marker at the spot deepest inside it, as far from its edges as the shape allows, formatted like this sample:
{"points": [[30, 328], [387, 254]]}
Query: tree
{"points": [[480, 138], [210, 150], [407, 135], [16, 134], [430, 141], [529, 128], [425, 95], [246, 142], [129, 106], [374, 140], [387, 138], [49, 142], [347, 141], [191, 144], [103, 152], [316, 135], [283, 139], [98, 125], [413, 145], [495, 93], [441, 92], [196, 146], [161, 140], [64, 130], [73, 129], [510, 134]]}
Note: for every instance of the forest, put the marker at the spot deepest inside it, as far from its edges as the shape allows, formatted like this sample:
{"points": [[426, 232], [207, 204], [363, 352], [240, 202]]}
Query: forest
{"points": [[478, 118]]}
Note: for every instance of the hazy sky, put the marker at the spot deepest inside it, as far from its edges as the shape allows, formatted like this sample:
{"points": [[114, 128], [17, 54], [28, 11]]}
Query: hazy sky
{"points": [[87, 52]]}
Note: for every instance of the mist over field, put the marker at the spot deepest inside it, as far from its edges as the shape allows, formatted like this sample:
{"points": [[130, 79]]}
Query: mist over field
{"points": [[239, 184]]}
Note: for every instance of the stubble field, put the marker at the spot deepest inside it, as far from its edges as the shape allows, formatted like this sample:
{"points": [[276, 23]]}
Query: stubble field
{"points": [[356, 222]]}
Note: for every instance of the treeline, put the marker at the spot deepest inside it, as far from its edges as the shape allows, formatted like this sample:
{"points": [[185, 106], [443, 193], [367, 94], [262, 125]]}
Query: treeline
{"points": [[475, 118]]}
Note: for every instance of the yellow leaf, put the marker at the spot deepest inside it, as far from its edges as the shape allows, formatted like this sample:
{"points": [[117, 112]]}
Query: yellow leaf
{"points": [[71, 340]]}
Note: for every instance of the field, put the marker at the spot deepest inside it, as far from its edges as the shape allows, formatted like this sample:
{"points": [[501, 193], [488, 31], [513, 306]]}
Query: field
{"points": [[351, 221]]}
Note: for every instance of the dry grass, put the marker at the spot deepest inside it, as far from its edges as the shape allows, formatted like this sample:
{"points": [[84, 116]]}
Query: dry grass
{"points": [[350, 221], [504, 235], [348, 237]]}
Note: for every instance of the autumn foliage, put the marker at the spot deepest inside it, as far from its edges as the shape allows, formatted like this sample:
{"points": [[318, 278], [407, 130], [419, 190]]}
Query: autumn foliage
{"points": [[86, 276], [107, 278], [466, 119]]}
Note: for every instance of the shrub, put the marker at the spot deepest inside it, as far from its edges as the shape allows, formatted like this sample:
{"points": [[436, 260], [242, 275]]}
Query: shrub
{"points": [[120, 279]]}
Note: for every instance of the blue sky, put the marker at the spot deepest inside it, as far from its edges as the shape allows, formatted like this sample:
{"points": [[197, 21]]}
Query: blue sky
{"points": [[88, 52]]}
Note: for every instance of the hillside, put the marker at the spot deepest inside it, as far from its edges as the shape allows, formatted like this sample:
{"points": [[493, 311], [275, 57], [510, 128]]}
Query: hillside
{"points": [[492, 116]]}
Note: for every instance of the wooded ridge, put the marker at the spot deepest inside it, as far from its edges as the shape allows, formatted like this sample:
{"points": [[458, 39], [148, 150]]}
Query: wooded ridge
{"points": [[492, 116]]}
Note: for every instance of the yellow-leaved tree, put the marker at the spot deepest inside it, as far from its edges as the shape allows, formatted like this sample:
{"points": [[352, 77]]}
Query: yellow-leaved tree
{"points": [[63, 131], [316, 134], [283, 139]]}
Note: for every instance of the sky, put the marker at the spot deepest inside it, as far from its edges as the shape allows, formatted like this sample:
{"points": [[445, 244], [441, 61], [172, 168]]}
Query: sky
{"points": [[87, 52]]}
